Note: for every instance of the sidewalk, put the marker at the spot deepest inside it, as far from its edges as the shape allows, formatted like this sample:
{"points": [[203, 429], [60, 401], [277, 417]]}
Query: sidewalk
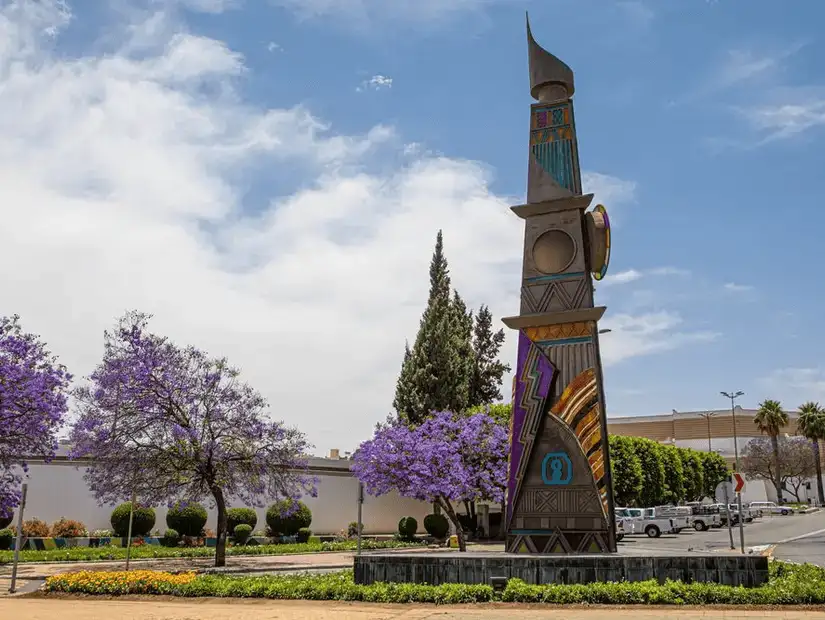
{"points": [[211, 609]]}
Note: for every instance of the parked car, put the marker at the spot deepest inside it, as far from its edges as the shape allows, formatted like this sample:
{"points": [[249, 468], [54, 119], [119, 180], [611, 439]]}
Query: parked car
{"points": [[652, 526], [747, 515], [682, 515], [619, 530], [705, 517], [771, 508], [723, 513]]}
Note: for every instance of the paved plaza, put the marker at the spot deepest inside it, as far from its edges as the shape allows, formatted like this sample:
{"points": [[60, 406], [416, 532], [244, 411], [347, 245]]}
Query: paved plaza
{"points": [[211, 609]]}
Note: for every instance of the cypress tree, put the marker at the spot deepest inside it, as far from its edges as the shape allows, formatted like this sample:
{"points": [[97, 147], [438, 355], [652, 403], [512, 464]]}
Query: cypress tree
{"points": [[487, 371], [435, 372]]}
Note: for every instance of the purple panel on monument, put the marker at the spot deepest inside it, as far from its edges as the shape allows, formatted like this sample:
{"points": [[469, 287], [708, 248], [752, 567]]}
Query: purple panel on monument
{"points": [[534, 376]]}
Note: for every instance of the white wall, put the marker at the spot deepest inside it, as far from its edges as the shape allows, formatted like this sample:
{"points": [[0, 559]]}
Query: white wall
{"points": [[58, 490]]}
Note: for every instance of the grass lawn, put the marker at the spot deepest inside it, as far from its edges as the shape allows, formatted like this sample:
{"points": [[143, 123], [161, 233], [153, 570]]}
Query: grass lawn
{"points": [[92, 554]]}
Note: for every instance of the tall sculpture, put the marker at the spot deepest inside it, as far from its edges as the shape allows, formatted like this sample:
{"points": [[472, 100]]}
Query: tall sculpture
{"points": [[559, 493]]}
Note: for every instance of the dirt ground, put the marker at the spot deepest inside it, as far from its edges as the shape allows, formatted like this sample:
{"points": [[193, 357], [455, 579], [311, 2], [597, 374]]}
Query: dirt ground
{"points": [[215, 609]]}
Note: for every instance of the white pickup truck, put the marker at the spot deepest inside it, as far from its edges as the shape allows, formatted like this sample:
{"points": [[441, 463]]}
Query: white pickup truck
{"points": [[645, 521], [681, 515]]}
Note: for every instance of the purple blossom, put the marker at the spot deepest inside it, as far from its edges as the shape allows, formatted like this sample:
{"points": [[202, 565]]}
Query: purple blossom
{"points": [[447, 458], [33, 403], [172, 423]]}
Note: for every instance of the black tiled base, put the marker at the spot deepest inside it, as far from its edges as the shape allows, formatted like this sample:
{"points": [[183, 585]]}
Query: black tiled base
{"points": [[479, 568]]}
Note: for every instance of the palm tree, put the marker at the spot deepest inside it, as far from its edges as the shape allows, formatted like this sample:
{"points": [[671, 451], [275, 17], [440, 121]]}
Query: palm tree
{"points": [[769, 420], [812, 425]]}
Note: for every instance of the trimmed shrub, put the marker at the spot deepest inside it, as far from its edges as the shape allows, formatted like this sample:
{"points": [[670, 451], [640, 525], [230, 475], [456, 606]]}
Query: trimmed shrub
{"points": [[6, 521], [237, 516], [407, 527], [143, 520], [437, 526], [188, 518], [35, 528], [67, 528], [171, 538], [303, 535], [287, 516], [352, 529], [102, 534], [6, 538], [241, 533]]}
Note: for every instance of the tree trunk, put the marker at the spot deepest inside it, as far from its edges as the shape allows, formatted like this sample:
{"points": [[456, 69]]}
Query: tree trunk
{"points": [[451, 514], [220, 544], [778, 481], [818, 462]]}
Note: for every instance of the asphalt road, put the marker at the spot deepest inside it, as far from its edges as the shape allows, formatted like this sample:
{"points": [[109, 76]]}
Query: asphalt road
{"points": [[795, 537]]}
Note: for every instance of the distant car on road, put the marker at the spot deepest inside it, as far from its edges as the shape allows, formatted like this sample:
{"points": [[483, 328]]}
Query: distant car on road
{"points": [[771, 508]]}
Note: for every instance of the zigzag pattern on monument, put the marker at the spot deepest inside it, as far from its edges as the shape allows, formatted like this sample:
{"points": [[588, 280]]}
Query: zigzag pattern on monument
{"points": [[537, 377], [558, 542], [569, 294], [578, 408]]}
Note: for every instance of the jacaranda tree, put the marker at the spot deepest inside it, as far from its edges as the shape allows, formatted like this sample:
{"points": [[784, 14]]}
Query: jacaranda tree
{"points": [[33, 389], [171, 423], [447, 458]]}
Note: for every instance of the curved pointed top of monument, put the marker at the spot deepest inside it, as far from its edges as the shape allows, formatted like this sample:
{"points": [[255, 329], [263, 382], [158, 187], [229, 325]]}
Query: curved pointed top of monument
{"points": [[550, 78]]}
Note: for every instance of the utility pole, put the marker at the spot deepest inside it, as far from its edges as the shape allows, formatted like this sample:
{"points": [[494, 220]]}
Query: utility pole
{"points": [[707, 417], [733, 396], [18, 542]]}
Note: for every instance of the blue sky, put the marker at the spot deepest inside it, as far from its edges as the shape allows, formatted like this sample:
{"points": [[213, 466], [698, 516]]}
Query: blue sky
{"points": [[267, 178]]}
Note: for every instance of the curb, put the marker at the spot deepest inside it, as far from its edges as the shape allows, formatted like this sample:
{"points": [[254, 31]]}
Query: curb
{"points": [[272, 569]]}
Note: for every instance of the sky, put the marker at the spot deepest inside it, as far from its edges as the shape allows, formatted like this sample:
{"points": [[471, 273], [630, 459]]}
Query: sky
{"points": [[267, 179]]}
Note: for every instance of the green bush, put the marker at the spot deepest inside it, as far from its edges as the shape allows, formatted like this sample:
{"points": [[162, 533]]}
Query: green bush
{"points": [[6, 521], [303, 535], [6, 538], [171, 538], [237, 516], [788, 585], [188, 518], [142, 522], [241, 533], [437, 526], [352, 529], [287, 516], [407, 527]]}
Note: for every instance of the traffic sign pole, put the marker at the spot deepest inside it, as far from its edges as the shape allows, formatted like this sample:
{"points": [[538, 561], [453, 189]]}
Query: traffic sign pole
{"points": [[741, 523]]}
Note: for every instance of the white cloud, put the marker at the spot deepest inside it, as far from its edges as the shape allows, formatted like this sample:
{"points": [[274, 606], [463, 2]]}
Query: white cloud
{"points": [[795, 386], [653, 332], [119, 189], [623, 277], [634, 275], [733, 287], [376, 82], [609, 190], [272, 46], [420, 11], [796, 111]]}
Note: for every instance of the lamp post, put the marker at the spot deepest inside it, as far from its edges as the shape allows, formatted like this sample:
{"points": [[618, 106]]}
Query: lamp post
{"points": [[708, 415], [733, 396]]}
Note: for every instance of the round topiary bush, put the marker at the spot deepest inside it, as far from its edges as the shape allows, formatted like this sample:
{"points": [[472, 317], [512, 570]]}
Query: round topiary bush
{"points": [[287, 516], [303, 535], [6, 538], [407, 527], [188, 518], [241, 533], [437, 526], [238, 516], [171, 538], [6, 521], [142, 522]]}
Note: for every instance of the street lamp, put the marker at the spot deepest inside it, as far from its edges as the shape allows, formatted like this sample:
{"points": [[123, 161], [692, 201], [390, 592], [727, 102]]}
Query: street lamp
{"points": [[733, 396], [707, 417]]}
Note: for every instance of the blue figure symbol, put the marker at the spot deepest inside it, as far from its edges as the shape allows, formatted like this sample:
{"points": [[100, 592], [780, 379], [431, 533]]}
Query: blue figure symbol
{"points": [[556, 469]]}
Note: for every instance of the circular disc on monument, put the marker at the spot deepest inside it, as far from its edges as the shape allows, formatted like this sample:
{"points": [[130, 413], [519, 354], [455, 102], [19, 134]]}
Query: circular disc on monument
{"points": [[598, 234], [553, 251]]}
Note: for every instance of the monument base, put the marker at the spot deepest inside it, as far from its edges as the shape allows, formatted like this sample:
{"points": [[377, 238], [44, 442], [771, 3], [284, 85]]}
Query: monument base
{"points": [[483, 568]]}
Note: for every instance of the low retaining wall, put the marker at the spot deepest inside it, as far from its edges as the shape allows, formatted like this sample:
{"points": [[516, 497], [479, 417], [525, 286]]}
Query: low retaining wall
{"points": [[483, 568], [45, 544]]}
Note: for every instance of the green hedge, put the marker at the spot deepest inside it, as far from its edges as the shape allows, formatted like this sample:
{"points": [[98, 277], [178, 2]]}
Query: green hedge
{"points": [[789, 585], [286, 517], [98, 554], [143, 520], [187, 518]]}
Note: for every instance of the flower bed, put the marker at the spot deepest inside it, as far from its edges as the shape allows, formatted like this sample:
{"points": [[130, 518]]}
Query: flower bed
{"points": [[789, 585], [104, 553]]}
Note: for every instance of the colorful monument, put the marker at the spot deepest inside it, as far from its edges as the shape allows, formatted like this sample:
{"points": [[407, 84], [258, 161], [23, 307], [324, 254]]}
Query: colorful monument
{"points": [[559, 493]]}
